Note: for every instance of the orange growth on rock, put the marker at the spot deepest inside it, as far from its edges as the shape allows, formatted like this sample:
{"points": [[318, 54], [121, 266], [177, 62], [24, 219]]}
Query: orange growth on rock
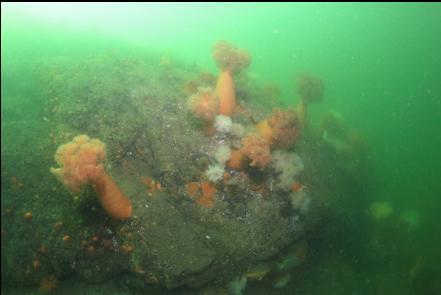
{"points": [[193, 189], [209, 129], [152, 185], [296, 187], [208, 192], [203, 193], [81, 164]]}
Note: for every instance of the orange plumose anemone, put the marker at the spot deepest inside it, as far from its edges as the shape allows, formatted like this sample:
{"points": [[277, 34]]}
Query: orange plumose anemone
{"points": [[257, 149], [202, 192], [285, 126], [281, 129], [208, 194], [81, 164], [229, 60], [204, 104]]}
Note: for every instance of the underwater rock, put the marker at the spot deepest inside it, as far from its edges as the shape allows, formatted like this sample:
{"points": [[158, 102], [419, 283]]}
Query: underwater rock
{"points": [[154, 149], [174, 250]]}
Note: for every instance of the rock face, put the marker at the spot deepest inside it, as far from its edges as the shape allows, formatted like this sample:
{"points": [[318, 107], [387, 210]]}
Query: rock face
{"points": [[154, 149]]}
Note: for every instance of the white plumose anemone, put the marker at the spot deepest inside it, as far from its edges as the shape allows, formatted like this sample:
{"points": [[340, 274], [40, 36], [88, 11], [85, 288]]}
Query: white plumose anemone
{"points": [[287, 165], [237, 130], [215, 173], [223, 124], [222, 154]]}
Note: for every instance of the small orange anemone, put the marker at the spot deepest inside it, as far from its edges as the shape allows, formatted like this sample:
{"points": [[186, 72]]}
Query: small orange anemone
{"points": [[208, 192], [152, 185], [192, 189], [203, 193], [297, 187]]}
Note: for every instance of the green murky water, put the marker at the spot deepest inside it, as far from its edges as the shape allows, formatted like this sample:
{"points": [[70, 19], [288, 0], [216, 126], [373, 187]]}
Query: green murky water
{"points": [[377, 233]]}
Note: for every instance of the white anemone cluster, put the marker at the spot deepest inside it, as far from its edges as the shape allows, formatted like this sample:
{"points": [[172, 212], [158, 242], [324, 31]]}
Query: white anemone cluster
{"points": [[223, 124], [215, 172], [287, 165]]}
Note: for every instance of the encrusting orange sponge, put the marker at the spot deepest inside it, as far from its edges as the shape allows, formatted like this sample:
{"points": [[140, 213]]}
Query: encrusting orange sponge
{"points": [[81, 163]]}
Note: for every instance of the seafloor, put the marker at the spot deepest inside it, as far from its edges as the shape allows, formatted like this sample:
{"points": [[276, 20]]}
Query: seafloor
{"points": [[64, 243]]}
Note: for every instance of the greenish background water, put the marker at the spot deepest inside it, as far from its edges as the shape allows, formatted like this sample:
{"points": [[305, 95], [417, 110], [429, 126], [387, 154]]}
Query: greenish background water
{"points": [[381, 64]]}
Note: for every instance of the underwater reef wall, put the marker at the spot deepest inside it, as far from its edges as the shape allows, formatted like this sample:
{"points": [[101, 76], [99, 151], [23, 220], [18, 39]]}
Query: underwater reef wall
{"points": [[185, 230]]}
